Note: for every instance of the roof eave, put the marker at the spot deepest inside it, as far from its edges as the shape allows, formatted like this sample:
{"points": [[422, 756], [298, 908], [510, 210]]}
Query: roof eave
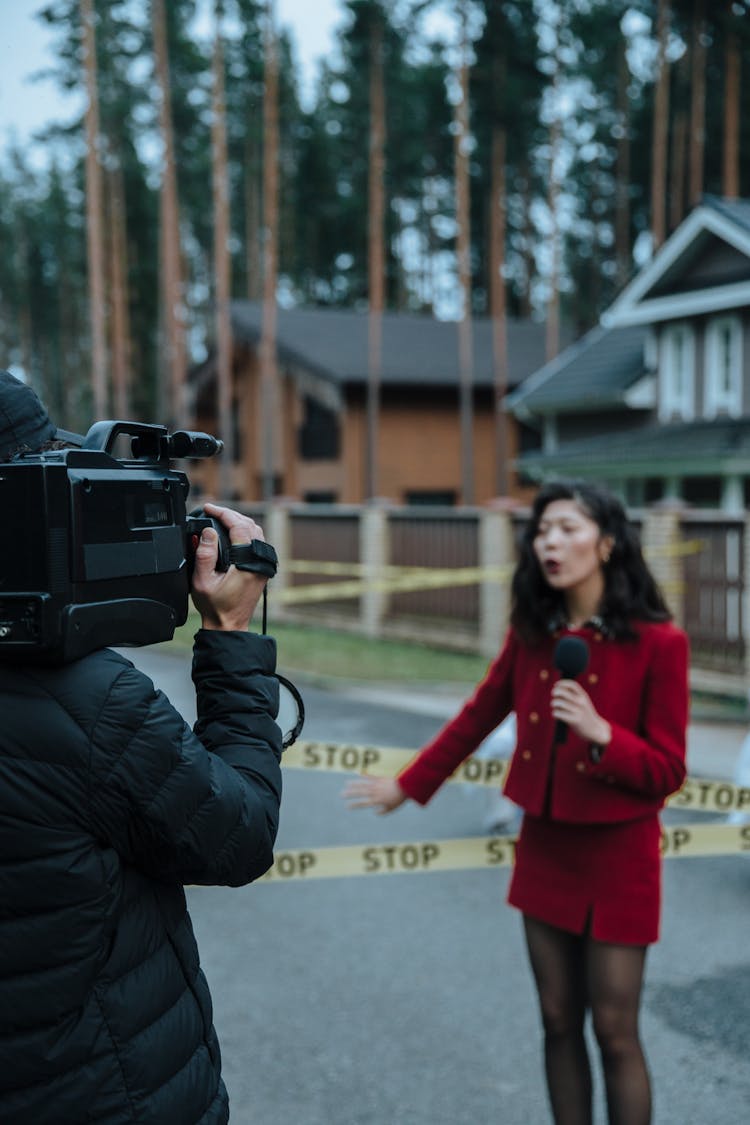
{"points": [[597, 464], [679, 306], [703, 218]]}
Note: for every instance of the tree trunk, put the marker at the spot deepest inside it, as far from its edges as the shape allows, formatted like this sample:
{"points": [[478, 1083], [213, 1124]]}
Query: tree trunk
{"points": [[376, 256], [498, 307], [117, 256], [553, 194], [731, 163], [660, 131], [171, 269], [526, 308], [253, 266], [222, 263], [679, 170], [697, 103], [552, 343], [463, 252], [622, 188], [270, 430], [94, 235]]}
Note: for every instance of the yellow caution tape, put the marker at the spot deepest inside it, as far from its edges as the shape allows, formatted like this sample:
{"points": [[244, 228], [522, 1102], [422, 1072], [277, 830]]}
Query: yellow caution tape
{"points": [[701, 795], [307, 566], [428, 578], [697, 794], [475, 853], [390, 570], [675, 550], [378, 761], [406, 579]]}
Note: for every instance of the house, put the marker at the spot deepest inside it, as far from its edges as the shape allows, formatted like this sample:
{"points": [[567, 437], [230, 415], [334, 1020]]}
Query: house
{"points": [[320, 435], [655, 401]]}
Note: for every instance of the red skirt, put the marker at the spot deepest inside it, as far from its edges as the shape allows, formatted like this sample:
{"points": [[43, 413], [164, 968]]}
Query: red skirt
{"points": [[604, 878]]}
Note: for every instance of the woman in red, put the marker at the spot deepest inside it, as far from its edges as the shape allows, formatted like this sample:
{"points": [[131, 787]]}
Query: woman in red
{"points": [[595, 759]]}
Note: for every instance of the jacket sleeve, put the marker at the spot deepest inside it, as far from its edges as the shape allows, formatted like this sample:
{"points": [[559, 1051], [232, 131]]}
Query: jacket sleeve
{"points": [[196, 806], [491, 702], [651, 761]]}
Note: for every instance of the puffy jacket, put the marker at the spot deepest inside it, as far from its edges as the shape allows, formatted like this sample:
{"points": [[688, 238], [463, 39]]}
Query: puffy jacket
{"points": [[109, 803]]}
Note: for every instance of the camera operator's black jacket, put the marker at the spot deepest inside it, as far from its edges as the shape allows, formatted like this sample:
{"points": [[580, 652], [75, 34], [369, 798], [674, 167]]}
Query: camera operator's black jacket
{"points": [[108, 804]]}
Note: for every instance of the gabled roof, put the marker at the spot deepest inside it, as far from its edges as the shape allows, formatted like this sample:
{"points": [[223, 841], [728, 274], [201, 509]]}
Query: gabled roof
{"points": [[594, 373], [700, 448], [673, 285], [416, 349], [736, 210]]}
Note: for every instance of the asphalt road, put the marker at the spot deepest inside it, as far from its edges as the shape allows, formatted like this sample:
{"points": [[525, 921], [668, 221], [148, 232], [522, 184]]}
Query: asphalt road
{"points": [[406, 999]]}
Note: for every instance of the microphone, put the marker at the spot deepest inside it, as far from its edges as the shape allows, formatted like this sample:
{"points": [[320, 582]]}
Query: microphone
{"points": [[571, 658]]}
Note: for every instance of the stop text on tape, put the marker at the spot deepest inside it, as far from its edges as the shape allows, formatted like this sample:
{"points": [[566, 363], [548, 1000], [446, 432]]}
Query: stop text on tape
{"points": [[697, 794], [381, 761], [475, 853]]}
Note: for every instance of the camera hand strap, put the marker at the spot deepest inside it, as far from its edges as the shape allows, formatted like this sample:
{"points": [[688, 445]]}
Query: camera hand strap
{"points": [[259, 557]]}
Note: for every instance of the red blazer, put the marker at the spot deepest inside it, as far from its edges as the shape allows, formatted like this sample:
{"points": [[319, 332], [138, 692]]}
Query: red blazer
{"points": [[639, 686]]}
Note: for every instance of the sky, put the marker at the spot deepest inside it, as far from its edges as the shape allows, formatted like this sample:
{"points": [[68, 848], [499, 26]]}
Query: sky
{"points": [[25, 48]]}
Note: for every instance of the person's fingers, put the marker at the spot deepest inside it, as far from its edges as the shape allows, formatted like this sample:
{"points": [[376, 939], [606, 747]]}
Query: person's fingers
{"points": [[359, 784], [206, 554], [242, 529], [363, 794], [360, 795], [361, 803]]}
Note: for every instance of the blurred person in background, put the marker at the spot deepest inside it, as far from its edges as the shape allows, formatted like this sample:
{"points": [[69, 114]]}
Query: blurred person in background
{"points": [[595, 759]]}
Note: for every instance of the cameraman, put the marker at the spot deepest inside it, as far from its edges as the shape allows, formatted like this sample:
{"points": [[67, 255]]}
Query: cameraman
{"points": [[109, 803]]}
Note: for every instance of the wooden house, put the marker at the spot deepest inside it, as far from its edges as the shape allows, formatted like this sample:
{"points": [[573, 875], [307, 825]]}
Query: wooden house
{"points": [[655, 401], [320, 419]]}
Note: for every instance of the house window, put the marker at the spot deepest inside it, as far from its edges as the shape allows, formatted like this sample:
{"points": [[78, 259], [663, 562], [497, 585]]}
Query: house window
{"points": [[320, 497], [702, 492], [723, 390], [318, 435], [677, 397], [429, 497]]}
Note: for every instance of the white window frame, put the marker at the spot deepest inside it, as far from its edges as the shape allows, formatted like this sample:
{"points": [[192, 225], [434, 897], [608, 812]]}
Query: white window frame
{"points": [[718, 397], [677, 373]]}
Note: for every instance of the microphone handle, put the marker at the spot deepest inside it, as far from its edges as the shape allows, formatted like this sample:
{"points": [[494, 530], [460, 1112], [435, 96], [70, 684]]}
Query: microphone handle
{"points": [[561, 731]]}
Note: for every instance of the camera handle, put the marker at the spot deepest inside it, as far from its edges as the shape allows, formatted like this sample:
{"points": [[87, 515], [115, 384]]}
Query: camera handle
{"points": [[257, 556], [103, 435], [260, 558]]}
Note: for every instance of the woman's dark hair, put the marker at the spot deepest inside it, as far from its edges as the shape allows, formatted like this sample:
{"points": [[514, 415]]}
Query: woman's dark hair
{"points": [[630, 590]]}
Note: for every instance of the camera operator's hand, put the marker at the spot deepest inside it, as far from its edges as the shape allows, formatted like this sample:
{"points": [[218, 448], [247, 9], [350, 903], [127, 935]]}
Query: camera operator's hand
{"points": [[225, 599]]}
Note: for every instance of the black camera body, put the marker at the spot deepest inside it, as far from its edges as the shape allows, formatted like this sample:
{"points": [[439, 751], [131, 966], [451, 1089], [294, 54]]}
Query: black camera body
{"points": [[97, 549]]}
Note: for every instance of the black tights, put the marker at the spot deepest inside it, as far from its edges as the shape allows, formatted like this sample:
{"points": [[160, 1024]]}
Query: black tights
{"points": [[574, 973]]}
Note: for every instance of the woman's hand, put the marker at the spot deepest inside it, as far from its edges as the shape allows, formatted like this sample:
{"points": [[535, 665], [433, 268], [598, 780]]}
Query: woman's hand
{"points": [[384, 794], [572, 704]]}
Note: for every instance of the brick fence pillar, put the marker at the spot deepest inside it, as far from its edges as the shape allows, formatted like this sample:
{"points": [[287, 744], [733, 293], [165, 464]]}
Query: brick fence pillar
{"points": [[496, 549], [277, 528], [374, 557], [661, 538]]}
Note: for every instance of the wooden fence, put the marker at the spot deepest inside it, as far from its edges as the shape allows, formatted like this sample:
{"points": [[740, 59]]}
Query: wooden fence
{"points": [[442, 575]]}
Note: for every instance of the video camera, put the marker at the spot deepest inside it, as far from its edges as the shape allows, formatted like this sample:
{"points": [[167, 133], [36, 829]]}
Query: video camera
{"points": [[97, 550]]}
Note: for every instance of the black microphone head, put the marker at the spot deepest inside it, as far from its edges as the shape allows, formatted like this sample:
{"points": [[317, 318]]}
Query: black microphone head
{"points": [[571, 656]]}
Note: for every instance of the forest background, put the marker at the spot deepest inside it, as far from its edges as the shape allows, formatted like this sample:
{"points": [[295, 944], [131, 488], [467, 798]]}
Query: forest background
{"points": [[525, 165]]}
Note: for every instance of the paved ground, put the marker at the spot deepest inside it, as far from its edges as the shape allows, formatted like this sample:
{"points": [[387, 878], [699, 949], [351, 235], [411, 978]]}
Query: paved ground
{"points": [[406, 999]]}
